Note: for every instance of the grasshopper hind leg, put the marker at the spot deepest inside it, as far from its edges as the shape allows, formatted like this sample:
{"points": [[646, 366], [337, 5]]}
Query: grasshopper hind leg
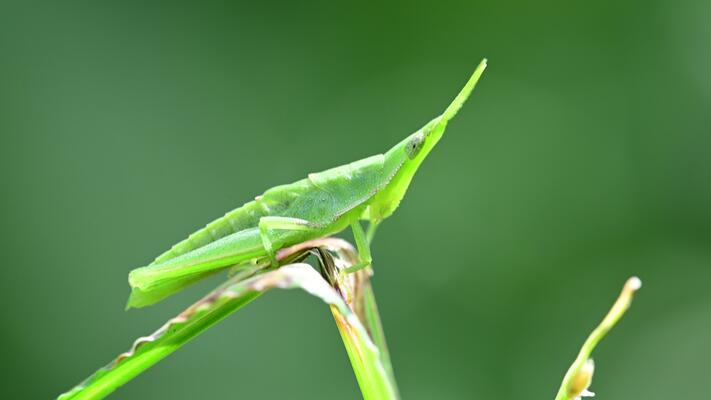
{"points": [[283, 223]]}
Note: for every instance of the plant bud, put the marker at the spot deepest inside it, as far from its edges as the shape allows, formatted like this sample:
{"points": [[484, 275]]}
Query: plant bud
{"points": [[579, 385]]}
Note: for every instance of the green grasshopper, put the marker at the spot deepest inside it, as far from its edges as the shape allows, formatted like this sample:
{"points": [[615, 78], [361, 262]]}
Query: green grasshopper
{"points": [[323, 204]]}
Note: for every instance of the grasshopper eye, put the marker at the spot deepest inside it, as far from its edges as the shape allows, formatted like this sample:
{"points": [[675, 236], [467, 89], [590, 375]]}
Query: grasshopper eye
{"points": [[414, 145]]}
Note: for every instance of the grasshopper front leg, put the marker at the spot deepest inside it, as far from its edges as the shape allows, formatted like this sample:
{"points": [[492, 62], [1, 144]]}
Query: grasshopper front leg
{"points": [[363, 246]]}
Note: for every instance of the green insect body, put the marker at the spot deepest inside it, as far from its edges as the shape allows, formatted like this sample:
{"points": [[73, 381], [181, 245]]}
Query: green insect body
{"points": [[322, 204]]}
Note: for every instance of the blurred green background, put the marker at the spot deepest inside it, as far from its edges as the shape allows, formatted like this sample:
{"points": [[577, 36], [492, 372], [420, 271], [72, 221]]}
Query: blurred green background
{"points": [[582, 158]]}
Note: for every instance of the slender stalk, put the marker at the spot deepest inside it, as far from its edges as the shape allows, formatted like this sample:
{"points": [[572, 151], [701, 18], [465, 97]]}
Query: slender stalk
{"points": [[579, 375]]}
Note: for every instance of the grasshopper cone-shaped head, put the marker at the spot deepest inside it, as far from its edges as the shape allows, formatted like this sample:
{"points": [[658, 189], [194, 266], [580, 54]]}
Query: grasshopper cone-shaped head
{"points": [[404, 159]]}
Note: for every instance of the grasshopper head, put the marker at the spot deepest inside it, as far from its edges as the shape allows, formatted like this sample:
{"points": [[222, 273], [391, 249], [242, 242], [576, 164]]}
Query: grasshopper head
{"points": [[403, 160]]}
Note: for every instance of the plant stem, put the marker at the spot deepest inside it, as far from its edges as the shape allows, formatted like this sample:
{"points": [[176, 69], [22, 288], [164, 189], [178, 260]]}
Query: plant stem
{"points": [[568, 388]]}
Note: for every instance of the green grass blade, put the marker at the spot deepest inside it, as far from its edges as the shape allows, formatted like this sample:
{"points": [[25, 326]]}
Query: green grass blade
{"points": [[359, 325], [373, 378], [375, 327], [231, 296], [147, 351]]}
